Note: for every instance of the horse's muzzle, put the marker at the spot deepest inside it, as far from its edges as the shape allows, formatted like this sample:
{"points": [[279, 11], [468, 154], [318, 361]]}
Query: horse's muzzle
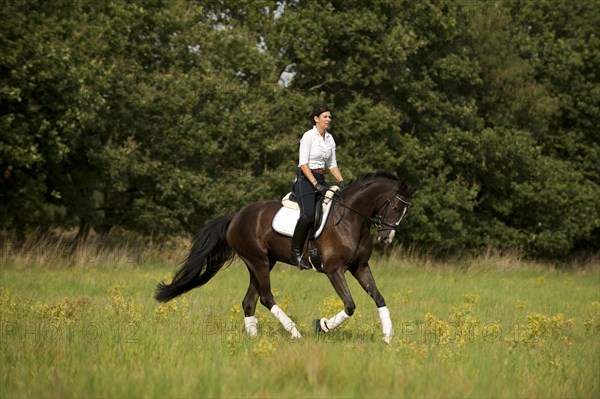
{"points": [[386, 236]]}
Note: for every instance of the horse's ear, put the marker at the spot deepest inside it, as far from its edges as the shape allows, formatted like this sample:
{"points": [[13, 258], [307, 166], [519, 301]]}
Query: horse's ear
{"points": [[410, 189], [407, 189]]}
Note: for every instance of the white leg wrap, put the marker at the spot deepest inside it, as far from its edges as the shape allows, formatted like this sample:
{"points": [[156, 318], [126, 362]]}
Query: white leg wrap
{"points": [[386, 324], [287, 323], [335, 321], [251, 326]]}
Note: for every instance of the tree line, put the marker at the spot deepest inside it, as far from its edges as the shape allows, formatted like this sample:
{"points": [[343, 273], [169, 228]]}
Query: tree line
{"points": [[158, 115]]}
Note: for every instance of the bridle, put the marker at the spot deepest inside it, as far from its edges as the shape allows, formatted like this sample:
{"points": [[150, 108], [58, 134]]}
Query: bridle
{"points": [[377, 220]]}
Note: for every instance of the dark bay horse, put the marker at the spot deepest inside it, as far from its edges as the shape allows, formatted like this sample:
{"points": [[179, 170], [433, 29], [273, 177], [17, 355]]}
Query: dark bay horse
{"points": [[345, 244]]}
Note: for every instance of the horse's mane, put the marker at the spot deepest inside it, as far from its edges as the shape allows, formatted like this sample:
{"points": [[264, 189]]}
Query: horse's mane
{"points": [[366, 177], [370, 177]]}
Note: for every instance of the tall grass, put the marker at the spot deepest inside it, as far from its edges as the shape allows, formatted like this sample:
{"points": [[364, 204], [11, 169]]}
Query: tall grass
{"points": [[121, 248], [59, 249], [488, 327]]}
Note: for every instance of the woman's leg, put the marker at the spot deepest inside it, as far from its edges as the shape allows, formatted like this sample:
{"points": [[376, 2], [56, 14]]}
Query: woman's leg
{"points": [[305, 195]]}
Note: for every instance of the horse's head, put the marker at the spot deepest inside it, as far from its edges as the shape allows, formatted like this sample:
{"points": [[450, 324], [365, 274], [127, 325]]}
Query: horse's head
{"points": [[388, 198], [393, 210]]}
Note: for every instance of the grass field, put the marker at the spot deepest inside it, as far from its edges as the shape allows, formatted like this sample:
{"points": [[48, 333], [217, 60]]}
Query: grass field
{"points": [[475, 331]]}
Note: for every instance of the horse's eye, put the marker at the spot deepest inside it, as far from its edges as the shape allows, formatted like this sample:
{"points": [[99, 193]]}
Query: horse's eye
{"points": [[395, 208]]}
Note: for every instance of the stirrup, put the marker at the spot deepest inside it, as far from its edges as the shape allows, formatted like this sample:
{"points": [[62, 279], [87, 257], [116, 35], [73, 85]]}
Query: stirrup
{"points": [[300, 262]]}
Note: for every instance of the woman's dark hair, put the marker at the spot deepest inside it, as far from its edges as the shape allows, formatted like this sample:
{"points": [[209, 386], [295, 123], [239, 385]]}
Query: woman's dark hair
{"points": [[318, 111]]}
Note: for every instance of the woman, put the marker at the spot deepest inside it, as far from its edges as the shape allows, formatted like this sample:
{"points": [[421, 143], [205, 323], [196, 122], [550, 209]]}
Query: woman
{"points": [[317, 150]]}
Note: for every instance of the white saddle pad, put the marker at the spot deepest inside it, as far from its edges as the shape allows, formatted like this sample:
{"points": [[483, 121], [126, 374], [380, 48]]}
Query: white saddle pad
{"points": [[284, 221]]}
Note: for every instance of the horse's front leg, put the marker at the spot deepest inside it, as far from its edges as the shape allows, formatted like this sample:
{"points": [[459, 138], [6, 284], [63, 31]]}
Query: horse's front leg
{"points": [[338, 280], [365, 278]]}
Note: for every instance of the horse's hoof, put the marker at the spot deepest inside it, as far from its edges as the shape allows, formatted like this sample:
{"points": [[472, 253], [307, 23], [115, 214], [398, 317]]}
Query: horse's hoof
{"points": [[387, 339], [317, 325], [321, 326], [295, 333]]}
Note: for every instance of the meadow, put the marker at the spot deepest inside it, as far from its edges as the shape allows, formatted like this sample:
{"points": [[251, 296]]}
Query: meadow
{"points": [[488, 327]]}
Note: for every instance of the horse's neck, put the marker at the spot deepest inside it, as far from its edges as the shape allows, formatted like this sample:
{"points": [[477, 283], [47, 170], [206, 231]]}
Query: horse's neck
{"points": [[366, 199]]}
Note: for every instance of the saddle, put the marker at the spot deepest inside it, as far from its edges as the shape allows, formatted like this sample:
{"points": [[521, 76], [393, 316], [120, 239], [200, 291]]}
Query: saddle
{"points": [[284, 221]]}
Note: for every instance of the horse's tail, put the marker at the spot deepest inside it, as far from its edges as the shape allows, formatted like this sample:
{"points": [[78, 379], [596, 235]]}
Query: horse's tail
{"points": [[210, 251]]}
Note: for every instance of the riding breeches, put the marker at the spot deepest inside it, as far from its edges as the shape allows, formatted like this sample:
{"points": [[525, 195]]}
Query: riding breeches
{"points": [[305, 193]]}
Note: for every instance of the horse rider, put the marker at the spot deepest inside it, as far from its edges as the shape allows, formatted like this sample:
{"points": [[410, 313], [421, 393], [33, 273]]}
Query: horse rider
{"points": [[317, 150]]}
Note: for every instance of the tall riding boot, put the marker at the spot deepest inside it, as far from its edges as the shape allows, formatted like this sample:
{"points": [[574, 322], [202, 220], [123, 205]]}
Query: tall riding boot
{"points": [[298, 240]]}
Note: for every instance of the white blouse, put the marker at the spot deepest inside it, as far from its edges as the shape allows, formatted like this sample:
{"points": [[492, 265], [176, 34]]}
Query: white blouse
{"points": [[316, 151]]}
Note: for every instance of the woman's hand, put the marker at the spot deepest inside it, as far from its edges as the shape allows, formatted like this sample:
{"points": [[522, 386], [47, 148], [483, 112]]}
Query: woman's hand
{"points": [[321, 189]]}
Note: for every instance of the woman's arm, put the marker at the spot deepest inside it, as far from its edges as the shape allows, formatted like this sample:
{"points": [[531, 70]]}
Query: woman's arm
{"points": [[336, 173], [308, 173], [304, 155]]}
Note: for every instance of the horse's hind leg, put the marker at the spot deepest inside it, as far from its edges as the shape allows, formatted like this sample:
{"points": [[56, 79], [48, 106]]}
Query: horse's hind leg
{"points": [[365, 278], [260, 287], [249, 306]]}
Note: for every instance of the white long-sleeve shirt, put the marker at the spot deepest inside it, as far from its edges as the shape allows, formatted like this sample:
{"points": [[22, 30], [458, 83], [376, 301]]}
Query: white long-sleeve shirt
{"points": [[317, 151]]}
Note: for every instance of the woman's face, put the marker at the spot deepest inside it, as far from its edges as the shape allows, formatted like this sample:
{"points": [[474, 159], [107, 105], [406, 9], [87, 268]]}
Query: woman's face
{"points": [[323, 121]]}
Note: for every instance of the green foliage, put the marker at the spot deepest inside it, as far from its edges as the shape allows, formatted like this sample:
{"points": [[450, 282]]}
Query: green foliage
{"points": [[156, 116]]}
